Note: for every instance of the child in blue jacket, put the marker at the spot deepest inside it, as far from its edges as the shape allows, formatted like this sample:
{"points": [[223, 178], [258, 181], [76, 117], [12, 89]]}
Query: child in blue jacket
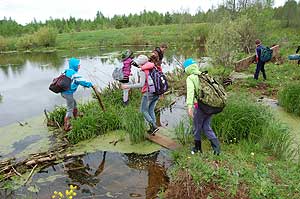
{"points": [[72, 72]]}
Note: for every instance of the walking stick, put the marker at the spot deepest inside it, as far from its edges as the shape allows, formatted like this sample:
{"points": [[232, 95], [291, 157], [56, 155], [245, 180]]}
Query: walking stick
{"points": [[98, 98]]}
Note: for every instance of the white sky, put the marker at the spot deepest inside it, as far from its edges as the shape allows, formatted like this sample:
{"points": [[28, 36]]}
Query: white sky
{"points": [[24, 11]]}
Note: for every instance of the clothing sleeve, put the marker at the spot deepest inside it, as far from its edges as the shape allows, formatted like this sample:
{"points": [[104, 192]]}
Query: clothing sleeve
{"points": [[190, 92], [80, 81], [141, 83], [147, 66]]}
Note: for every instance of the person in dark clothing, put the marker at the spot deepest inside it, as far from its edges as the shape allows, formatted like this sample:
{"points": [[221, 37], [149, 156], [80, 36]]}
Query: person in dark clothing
{"points": [[260, 65], [157, 55], [298, 49]]}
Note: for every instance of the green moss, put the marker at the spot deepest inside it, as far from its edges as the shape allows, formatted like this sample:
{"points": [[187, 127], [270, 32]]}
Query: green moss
{"points": [[14, 133], [105, 143]]}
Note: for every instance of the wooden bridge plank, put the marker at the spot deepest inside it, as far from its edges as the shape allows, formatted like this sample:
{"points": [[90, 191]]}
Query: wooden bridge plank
{"points": [[163, 140]]}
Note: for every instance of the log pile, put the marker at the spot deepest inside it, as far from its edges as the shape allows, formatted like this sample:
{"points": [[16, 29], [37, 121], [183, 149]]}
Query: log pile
{"points": [[12, 167]]}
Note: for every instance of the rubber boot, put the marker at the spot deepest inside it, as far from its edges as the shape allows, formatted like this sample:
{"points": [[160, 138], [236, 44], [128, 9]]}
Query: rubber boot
{"points": [[197, 148], [215, 144], [75, 113], [67, 124]]}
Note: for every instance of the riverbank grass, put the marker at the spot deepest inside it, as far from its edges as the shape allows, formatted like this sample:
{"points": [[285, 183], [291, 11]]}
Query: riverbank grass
{"points": [[256, 153]]}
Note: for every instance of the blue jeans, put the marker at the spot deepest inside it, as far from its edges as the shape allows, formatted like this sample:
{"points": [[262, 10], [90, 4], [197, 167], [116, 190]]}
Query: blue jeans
{"points": [[148, 104], [202, 124]]}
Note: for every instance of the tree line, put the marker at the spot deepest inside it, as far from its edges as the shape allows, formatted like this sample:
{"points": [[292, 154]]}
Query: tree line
{"points": [[287, 15]]}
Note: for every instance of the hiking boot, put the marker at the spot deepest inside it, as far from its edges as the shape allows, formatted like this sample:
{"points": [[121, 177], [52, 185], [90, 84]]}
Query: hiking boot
{"points": [[197, 148], [215, 144], [75, 113], [126, 103], [154, 131], [67, 124]]}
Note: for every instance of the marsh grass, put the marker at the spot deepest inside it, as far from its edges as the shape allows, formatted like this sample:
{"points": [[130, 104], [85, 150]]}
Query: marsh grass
{"points": [[244, 119], [289, 98], [184, 132], [134, 124], [57, 115]]}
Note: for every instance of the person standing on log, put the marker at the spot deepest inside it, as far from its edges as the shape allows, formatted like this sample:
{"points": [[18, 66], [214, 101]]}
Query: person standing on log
{"points": [[260, 65]]}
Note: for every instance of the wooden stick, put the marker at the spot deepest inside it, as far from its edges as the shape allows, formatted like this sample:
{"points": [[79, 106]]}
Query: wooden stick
{"points": [[46, 114], [16, 172], [30, 174], [99, 98]]}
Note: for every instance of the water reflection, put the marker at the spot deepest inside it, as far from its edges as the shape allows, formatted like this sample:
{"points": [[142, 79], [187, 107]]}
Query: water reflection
{"points": [[157, 176], [100, 175]]}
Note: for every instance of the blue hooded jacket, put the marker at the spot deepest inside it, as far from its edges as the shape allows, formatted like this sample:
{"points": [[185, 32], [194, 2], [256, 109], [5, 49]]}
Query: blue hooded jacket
{"points": [[76, 79]]}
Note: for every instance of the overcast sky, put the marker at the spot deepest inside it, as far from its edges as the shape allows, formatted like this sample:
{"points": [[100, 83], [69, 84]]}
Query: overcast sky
{"points": [[24, 11]]}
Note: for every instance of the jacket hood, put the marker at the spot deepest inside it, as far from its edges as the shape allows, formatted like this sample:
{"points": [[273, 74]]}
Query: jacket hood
{"points": [[192, 69], [74, 63]]}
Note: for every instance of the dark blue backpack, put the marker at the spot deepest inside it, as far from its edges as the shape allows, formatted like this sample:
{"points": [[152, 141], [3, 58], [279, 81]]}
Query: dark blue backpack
{"points": [[266, 54], [159, 80]]}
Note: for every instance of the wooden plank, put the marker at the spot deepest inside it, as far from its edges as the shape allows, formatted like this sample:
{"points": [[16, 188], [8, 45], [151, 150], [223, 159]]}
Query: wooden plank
{"points": [[163, 141], [246, 62]]}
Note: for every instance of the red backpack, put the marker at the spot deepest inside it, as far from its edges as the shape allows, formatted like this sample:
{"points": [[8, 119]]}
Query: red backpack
{"points": [[60, 84]]}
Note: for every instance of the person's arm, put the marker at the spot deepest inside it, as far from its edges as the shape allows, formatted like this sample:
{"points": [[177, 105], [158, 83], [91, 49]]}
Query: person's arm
{"points": [[139, 84], [190, 95], [80, 81], [147, 66]]}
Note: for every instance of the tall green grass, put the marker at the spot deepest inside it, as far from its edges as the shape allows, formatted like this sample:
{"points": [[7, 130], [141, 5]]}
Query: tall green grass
{"points": [[289, 98], [244, 119], [134, 124], [96, 122], [183, 132]]}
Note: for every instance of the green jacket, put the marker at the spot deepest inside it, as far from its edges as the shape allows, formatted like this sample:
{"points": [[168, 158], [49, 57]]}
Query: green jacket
{"points": [[192, 84]]}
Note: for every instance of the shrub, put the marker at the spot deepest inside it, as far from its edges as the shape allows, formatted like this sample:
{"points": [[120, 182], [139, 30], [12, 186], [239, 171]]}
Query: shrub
{"points": [[25, 42], [289, 98], [222, 42], [3, 43], [45, 37], [229, 37]]}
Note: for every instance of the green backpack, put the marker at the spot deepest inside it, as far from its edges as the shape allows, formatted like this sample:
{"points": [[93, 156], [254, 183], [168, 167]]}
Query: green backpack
{"points": [[211, 93], [266, 54]]}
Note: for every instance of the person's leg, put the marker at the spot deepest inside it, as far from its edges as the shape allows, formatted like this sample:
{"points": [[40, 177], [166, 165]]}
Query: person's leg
{"points": [[197, 129], [125, 96], [75, 110], [125, 91], [258, 68], [211, 135], [152, 103], [70, 107], [262, 69], [145, 109]]}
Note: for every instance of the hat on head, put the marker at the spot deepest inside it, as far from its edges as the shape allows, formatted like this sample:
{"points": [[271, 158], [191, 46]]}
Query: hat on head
{"points": [[188, 62], [141, 60], [126, 54], [74, 63]]}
